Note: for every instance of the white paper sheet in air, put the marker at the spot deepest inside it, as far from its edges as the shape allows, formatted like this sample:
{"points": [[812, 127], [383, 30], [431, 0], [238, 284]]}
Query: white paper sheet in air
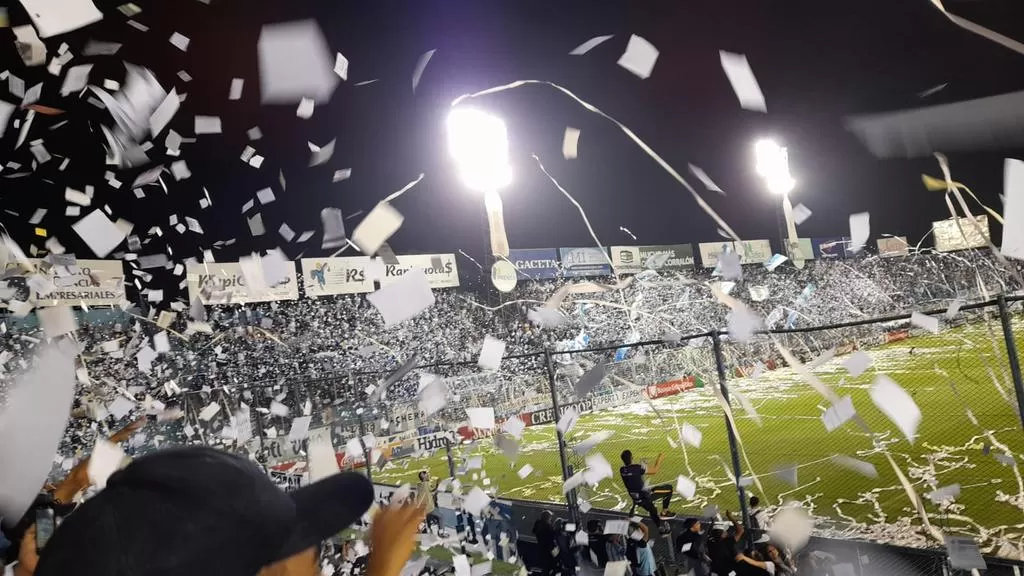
{"points": [[744, 84], [491, 353], [32, 424], [299, 429], [52, 17], [800, 214], [475, 501], [589, 45], [99, 233], [105, 459], [895, 403], [402, 300], [567, 421], [57, 320], [6, 110], [569, 142], [616, 526], [857, 363], [639, 57], [685, 487], [235, 93], [482, 418], [929, 323], [207, 125], [860, 230], [295, 62], [76, 79], [838, 414], [1013, 208], [376, 228]]}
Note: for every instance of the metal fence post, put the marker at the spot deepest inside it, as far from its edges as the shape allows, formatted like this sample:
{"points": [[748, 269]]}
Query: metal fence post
{"points": [[366, 449], [1011, 353], [451, 462], [740, 492], [549, 363]]}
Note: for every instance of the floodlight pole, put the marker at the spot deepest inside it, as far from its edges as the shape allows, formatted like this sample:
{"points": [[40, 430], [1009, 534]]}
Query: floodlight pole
{"points": [[496, 223], [737, 471]]}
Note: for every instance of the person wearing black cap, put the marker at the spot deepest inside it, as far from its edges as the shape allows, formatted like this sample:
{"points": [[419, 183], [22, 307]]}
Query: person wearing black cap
{"points": [[199, 511]]}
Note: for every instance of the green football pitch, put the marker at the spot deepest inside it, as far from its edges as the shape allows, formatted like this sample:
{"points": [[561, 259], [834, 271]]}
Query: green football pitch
{"points": [[956, 378]]}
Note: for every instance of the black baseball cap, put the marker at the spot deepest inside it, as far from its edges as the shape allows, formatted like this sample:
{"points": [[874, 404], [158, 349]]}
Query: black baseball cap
{"points": [[199, 511]]}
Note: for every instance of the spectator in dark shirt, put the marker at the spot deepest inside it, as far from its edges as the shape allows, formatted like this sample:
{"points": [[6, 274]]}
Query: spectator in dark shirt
{"points": [[692, 546], [547, 541], [633, 479]]}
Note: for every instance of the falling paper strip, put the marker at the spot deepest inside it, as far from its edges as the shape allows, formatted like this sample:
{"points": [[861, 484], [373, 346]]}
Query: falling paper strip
{"points": [[569, 142], [421, 65], [705, 179], [34, 418], [895, 403], [744, 84], [859, 466], [589, 45]]}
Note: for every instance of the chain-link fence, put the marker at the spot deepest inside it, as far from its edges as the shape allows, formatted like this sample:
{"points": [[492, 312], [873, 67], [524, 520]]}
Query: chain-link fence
{"points": [[807, 415]]}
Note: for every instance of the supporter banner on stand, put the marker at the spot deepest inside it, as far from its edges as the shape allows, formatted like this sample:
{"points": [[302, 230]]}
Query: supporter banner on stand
{"points": [[673, 387], [634, 259], [535, 264], [949, 238], [88, 282], [830, 248], [224, 283], [441, 269], [328, 276], [893, 246], [749, 251], [584, 262]]}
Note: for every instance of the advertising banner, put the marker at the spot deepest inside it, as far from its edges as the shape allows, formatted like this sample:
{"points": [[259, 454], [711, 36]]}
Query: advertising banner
{"points": [[584, 262], [634, 259], [893, 246], [224, 283], [329, 276], [673, 387], [754, 251], [805, 247], [949, 238], [88, 282], [749, 251], [830, 248], [441, 269], [535, 264], [710, 251]]}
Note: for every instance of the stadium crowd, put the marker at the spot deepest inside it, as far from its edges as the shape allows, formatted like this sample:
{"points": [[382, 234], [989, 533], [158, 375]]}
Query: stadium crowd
{"points": [[317, 356]]}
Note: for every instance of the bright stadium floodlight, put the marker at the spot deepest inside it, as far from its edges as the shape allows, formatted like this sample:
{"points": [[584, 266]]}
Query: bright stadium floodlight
{"points": [[773, 166], [479, 144]]}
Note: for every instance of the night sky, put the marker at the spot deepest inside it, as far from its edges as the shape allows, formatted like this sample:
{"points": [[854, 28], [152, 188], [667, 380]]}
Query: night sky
{"points": [[816, 61]]}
